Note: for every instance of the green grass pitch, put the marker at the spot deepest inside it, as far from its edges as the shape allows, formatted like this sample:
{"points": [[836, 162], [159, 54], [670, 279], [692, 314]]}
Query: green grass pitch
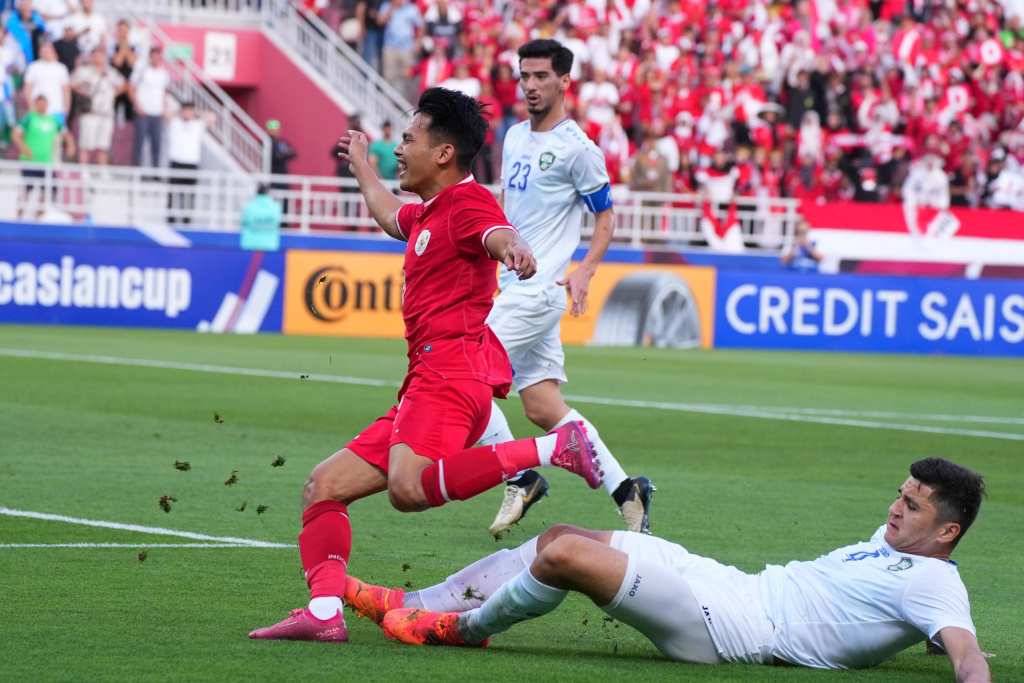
{"points": [[753, 463]]}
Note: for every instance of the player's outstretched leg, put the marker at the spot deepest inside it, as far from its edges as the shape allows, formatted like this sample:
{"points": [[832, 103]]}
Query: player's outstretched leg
{"points": [[464, 590], [468, 473], [522, 598]]}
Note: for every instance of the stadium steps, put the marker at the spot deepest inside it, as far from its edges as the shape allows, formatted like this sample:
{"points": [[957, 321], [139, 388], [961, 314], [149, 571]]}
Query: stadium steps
{"points": [[328, 61]]}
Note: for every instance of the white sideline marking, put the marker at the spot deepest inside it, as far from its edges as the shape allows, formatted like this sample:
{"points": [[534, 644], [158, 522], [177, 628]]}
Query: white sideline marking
{"points": [[171, 365], [774, 414], [156, 531], [931, 417], [813, 415], [130, 545]]}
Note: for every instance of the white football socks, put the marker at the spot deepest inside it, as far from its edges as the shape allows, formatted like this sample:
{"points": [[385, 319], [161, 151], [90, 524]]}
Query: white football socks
{"points": [[546, 448], [497, 430], [468, 588], [613, 472], [325, 608], [522, 598]]}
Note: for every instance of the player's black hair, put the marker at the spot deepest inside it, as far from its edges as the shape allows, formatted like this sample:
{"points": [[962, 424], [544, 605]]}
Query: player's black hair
{"points": [[956, 491], [545, 48], [456, 118]]}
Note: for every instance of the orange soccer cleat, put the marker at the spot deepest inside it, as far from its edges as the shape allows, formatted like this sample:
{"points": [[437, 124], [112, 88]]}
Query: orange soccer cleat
{"points": [[419, 627], [372, 601]]}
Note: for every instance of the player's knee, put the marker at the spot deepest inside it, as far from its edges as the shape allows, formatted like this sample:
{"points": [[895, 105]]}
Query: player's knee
{"points": [[541, 414], [407, 496], [555, 532], [556, 558], [325, 482], [317, 486]]}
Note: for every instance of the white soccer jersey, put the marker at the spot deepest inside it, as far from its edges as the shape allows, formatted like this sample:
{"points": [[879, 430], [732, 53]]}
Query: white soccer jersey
{"points": [[545, 177], [860, 605]]}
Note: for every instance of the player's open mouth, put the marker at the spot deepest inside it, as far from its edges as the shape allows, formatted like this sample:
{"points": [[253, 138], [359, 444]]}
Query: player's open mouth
{"points": [[401, 168]]}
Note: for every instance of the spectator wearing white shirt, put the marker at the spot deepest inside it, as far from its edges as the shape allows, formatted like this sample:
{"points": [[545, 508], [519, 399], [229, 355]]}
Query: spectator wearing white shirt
{"points": [[666, 52], [1004, 189], [463, 81], [90, 28], [184, 152], [47, 76], [599, 97], [100, 84], [54, 13], [580, 52], [149, 97]]}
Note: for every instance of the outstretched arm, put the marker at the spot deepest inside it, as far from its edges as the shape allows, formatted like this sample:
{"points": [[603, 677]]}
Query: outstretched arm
{"points": [[969, 663], [508, 247], [355, 149], [578, 281]]}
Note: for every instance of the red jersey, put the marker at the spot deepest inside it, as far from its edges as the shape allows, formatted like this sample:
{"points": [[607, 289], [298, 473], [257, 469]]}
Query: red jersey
{"points": [[450, 280]]}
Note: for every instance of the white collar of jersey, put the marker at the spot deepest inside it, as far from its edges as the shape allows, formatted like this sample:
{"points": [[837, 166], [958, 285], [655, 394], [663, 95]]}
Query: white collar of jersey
{"points": [[557, 125], [467, 179]]}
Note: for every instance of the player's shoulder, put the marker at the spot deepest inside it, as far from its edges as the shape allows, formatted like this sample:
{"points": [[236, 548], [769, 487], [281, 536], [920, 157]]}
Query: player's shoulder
{"points": [[570, 134], [517, 132], [473, 192], [576, 143]]}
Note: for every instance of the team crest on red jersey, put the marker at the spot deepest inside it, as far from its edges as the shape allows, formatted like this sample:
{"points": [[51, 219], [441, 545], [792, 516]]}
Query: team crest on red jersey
{"points": [[421, 243]]}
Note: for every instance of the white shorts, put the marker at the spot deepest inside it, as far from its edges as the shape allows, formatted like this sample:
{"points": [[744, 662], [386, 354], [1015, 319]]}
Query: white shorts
{"points": [[95, 132], [529, 329], [667, 590]]}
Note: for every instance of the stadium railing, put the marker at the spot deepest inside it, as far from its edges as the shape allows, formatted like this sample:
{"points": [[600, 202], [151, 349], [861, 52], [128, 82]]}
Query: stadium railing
{"points": [[304, 34], [146, 197], [246, 142]]}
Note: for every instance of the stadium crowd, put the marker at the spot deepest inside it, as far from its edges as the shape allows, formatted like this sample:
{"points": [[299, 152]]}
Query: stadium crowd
{"points": [[820, 100]]}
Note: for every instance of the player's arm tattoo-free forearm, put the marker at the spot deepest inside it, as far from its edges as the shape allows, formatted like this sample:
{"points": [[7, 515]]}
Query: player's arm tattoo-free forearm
{"points": [[604, 227], [382, 203]]}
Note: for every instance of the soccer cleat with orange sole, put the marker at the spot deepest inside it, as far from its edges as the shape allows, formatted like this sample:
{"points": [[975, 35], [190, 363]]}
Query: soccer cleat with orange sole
{"points": [[302, 625], [372, 601], [419, 627]]}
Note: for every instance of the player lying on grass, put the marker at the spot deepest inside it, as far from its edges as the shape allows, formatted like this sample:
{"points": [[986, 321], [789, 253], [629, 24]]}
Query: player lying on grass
{"points": [[855, 607], [419, 451]]}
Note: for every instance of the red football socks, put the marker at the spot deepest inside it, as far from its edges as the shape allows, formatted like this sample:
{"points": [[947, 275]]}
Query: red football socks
{"points": [[471, 472], [325, 545]]}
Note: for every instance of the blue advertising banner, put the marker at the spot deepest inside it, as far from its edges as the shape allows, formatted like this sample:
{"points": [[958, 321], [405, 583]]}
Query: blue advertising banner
{"points": [[140, 286], [859, 313]]}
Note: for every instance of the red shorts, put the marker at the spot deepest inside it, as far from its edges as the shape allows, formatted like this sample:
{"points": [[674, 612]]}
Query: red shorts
{"points": [[436, 417]]}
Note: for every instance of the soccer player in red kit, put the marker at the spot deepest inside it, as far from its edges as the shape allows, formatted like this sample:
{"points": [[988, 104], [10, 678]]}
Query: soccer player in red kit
{"points": [[419, 450]]}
